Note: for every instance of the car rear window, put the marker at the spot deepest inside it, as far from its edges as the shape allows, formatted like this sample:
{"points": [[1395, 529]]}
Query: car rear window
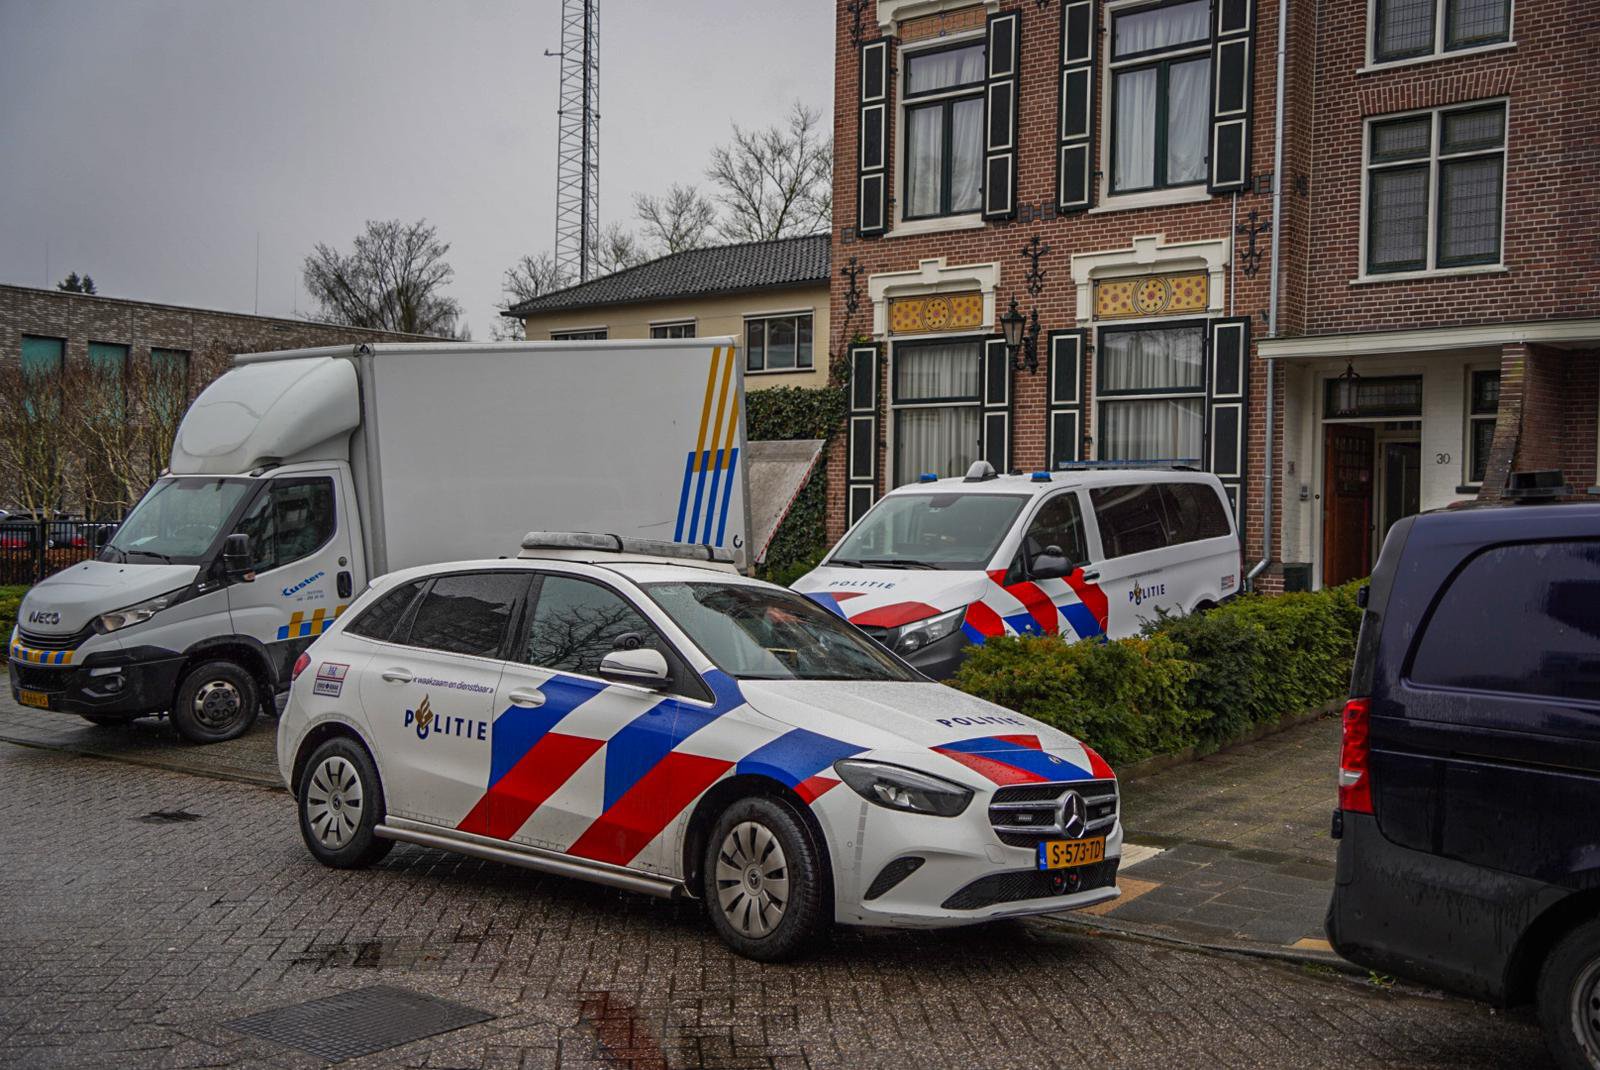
{"points": [[467, 613], [1131, 518], [378, 620], [1520, 619], [1194, 512]]}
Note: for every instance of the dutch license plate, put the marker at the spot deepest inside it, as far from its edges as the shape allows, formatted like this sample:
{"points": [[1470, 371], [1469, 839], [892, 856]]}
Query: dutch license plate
{"points": [[1065, 854], [37, 699]]}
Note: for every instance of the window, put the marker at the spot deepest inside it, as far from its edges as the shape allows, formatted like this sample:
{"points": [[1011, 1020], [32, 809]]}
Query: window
{"points": [[591, 334], [1160, 96], [1405, 29], [950, 531], [1152, 382], [1194, 512], [1435, 182], [293, 518], [684, 329], [576, 623], [1518, 619], [778, 343], [378, 620], [1483, 405], [944, 131], [169, 380], [1391, 396], [42, 354], [108, 363], [467, 613], [1132, 519], [936, 416], [1059, 522]]}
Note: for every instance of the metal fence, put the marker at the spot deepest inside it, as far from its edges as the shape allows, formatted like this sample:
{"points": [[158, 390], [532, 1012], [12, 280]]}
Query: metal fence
{"points": [[32, 549]]}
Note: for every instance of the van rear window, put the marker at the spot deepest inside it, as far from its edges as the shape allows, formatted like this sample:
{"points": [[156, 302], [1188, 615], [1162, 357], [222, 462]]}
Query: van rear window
{"points": [[1151, 516], [1519, 619]]}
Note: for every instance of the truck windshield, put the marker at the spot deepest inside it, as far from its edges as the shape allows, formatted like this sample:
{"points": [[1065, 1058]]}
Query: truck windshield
{"points": [[946, 531], [756, 633], [177, 521]]}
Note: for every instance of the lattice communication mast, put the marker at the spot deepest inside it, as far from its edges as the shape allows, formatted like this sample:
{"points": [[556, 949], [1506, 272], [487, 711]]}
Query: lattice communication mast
{"points": [[577, 152]]}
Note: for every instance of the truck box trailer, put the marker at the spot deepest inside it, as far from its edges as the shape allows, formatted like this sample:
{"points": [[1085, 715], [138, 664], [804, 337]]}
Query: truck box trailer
{"points": [[297, 476]]}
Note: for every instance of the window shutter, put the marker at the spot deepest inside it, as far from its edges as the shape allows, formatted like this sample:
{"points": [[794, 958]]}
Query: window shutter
{"points": [[872, 158], [1000, 117], [1066, 398], [1227, 402], [995, 432], [861, 462], [1074, 153], [1232, 46]]}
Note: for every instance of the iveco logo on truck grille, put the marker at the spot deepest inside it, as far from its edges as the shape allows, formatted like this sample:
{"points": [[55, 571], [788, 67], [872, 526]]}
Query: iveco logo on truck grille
{"points": [[44, 616]]}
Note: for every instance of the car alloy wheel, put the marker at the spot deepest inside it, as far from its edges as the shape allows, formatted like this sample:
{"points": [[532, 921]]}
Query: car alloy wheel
{"points": [[334, 802], [752, 879]]}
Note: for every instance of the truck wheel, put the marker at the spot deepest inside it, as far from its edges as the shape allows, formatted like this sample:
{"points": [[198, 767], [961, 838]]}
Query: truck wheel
{"points": [[341, 803], [216, 701], [763, 880], [1569, 998]]}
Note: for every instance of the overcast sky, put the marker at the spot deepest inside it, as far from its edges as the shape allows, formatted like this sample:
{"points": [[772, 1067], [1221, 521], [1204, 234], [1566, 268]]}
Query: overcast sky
{"points": [[149, 142]]}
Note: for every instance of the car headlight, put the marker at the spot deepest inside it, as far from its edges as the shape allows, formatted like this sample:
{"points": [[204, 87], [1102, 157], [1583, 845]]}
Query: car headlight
{"points": [[899, 788], [910, 638], [139, 611]]}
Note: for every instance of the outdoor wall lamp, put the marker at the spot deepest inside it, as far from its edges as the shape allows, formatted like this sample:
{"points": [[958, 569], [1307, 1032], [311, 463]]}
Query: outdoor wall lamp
{"points": [[1022, 345], [1345, 395]]}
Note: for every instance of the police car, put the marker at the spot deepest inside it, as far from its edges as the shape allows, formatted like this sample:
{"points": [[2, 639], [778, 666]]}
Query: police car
{"points": [[608, 709]]}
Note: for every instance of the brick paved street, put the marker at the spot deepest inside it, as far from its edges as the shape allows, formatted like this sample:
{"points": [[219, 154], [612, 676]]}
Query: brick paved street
{"points": [[128, 939]]}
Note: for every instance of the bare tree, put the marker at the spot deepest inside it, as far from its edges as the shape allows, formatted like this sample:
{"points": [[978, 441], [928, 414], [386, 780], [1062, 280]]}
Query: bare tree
{"points": [[34, 440], [678, 220], [392, 280], [776, 182], [534, 275], [619, 249]]}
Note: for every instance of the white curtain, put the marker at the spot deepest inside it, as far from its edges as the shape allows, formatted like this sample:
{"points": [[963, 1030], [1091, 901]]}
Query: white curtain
{"points": [[1170, 359], [1160, 429], [1398, 208], [942, 440], [936, 372], [1134, 167], [928, 71], [925, 154], [966, 155], [1469, 227], [1161, 27], [1188, 120]]}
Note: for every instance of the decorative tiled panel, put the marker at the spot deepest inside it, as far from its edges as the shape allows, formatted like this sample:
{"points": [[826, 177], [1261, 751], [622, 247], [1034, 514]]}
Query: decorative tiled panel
{"points": [[1151, 295], [937, 312], [942, 23]]}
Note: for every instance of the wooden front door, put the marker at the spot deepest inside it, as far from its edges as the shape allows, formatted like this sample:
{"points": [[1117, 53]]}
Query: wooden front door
{"points": [[1346, 503]]}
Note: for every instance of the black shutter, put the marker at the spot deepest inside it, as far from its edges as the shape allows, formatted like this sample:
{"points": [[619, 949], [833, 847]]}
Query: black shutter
{"points": [[1000, 116], [1065, 443], [1074, 153], [1232, 49], [861, 462], [1227, 405], [872, 158], [995, 432]]}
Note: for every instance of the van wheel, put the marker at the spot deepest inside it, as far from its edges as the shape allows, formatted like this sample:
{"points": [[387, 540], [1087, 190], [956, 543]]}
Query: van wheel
{"points": [[1569, 998], [763, 880], [218, 700], [341, 805]]}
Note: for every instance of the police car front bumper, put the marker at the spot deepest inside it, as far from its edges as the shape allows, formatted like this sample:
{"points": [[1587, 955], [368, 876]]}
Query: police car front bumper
{"points": [[126, 682]]}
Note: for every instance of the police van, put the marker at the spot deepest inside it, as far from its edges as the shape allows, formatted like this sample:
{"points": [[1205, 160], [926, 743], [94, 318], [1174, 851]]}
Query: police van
{"points": [[640, 715], [1084, 553]]}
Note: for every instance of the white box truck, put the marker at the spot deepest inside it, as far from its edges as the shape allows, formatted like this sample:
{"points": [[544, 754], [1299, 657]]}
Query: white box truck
{"points": [[297, 476]]}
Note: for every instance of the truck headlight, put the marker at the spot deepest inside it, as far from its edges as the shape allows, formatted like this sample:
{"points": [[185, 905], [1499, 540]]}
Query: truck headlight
{"points": [[910, 638], [139, 611], [899, 788]]}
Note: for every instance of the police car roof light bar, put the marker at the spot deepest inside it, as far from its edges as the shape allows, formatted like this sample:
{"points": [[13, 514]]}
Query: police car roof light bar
{"points": [[617, 544]]}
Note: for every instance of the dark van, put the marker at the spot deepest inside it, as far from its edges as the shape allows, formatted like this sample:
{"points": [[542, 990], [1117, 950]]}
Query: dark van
{"points": [[1469, 783]]}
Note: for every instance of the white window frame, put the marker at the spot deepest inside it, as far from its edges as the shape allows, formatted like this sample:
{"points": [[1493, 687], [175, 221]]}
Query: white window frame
{"points": [[1373, 63], [1471, 418], [1108, 201], [903, 227], [1435, 132], [565, 334], [1101, 400], [690, 322], [789, 313], [894, 407]]}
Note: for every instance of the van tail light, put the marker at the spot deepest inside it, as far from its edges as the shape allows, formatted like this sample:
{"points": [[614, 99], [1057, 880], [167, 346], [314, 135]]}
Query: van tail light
{"points": [[300, 665], [1355, 784]]}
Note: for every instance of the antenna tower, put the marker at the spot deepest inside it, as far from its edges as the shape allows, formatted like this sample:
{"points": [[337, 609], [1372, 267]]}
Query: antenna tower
{"points": [[578, 129]]}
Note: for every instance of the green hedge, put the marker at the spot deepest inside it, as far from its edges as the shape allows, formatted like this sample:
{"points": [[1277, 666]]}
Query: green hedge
{"points": [[1193, 681], [10, 604], [788, 412]]}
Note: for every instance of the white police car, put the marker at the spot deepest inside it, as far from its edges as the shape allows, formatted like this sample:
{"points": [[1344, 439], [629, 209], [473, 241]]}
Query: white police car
{"points": [[600, 710]]}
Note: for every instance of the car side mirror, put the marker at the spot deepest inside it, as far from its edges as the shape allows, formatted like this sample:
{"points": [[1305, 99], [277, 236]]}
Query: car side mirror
{"points": [[1051, 564], [642, 668], [237, 557]]}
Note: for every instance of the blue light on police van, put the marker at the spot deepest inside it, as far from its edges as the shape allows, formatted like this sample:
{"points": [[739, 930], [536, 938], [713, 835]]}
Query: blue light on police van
{"points": [[1041, 477], [928, 477]]}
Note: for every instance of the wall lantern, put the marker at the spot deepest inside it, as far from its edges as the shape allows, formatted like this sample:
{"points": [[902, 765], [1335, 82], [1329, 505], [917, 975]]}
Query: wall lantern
{"points": [[1346, 401], [1018, 344]]}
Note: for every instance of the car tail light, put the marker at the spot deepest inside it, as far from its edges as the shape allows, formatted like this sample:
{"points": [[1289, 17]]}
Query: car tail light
{"points": [[300, 665], [1355, 785]]}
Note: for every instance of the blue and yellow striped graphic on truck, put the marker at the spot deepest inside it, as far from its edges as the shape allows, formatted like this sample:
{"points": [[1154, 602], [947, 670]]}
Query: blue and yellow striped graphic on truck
{"points": [[40, 657], [708, 472], [300, 625]]}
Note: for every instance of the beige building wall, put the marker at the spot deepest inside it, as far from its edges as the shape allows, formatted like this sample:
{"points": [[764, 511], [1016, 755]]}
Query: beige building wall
{"points": [[716, 314]]}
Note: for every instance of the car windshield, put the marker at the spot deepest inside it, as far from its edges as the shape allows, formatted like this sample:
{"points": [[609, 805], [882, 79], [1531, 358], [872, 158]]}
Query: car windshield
{"points": [[177, 521], [946, 531], [758, 633]]}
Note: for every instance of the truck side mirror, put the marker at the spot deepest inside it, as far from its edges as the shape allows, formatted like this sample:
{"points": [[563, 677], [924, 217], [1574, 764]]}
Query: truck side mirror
{"points": [[1050, 564], [237, 558]]}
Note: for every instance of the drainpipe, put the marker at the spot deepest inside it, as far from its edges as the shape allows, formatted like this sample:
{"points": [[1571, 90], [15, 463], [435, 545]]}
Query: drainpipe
{"points": [[1272, 293]]}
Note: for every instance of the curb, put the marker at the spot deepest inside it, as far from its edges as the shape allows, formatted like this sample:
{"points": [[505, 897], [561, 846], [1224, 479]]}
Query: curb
{"points": [[1323, 959], [1159, 763], [150, 762]]}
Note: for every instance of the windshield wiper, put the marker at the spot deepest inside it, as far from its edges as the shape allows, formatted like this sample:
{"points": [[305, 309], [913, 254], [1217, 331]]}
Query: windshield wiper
{"points": [[843, 563], [897, 562], [147, 553]]}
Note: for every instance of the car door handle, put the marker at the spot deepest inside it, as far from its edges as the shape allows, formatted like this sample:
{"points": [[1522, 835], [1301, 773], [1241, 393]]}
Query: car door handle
{"points": [[1091, 575], [525, 696], [398, 676]]}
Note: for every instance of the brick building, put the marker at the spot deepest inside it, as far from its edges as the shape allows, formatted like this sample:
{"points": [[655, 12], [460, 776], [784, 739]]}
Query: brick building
{"points": [[1420, 289]]}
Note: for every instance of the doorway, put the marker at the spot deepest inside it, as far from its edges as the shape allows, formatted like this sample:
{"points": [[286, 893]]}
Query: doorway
{"points": [[1347, 500], [1400, 485]]}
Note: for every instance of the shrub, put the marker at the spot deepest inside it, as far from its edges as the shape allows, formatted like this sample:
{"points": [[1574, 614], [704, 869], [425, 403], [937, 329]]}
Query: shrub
{"points": [[1192, 681], [10, 605], [789, 412]]}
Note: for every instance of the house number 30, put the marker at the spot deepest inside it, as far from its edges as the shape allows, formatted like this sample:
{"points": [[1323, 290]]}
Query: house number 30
{"points": [[1441, 458]]}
